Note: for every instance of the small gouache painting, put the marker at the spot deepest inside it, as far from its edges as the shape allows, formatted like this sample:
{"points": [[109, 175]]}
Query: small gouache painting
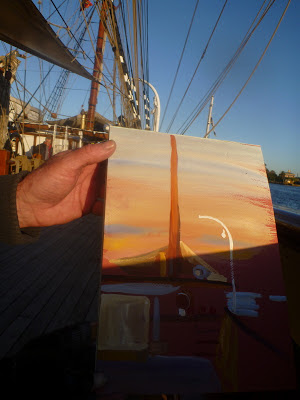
{"points": [[192, 296]]}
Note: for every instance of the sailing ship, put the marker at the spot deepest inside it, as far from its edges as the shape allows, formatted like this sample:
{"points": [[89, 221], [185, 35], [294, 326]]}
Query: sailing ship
{"points": [[127, 88], [32, 33]]}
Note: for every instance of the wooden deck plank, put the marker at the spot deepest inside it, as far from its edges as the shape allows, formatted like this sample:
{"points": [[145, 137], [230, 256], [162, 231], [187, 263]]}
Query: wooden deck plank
{"points": [[26, 299], [54, 253], [18, 283], [27, 253], [86, 266], [41, 312], [11, 335], [33, 301], [82, 309], [71, 299], [10, 254], [32, 277], [49, 284]]}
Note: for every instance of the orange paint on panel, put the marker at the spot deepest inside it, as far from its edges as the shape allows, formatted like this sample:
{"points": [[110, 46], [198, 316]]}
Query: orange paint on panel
{"points": [[155, 194], [173, 253]]}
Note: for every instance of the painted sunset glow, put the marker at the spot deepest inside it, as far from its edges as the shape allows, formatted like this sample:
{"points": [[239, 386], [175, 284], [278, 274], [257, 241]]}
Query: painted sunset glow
{"points": [[210, 236], [215, 178]]}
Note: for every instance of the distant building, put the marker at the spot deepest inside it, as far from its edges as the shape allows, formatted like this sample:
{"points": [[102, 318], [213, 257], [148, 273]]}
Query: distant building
{"points": [[288, 178]]}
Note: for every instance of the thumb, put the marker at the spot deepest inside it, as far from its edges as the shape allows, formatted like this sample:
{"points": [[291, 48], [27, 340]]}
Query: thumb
{"points": [[91, 154], [74, 160]]}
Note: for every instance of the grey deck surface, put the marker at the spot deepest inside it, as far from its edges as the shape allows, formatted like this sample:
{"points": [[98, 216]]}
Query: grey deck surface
{"points": [[50, 284]]}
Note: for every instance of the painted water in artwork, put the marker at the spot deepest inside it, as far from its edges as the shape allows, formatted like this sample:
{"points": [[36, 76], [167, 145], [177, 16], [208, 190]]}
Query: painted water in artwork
{"points": [[192, 296]]}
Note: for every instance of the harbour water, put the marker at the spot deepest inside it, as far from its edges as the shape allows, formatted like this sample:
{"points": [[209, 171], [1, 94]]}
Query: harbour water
{"points": [[286, 198]]}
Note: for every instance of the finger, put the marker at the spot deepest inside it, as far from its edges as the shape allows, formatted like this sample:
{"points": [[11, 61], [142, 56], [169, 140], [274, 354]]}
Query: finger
{"points": [[91, 154], [75, 160]]}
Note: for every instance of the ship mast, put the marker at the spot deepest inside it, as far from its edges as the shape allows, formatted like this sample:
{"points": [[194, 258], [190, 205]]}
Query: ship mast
{"points": [[98, 65], [4, 107]]}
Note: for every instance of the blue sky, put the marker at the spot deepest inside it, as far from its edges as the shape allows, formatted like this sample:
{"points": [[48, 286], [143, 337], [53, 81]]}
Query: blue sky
{"points": [[266, 113]]}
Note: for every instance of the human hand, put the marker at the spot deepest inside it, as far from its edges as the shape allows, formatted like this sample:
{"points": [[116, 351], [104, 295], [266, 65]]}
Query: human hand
{"points": [[64, 188]]}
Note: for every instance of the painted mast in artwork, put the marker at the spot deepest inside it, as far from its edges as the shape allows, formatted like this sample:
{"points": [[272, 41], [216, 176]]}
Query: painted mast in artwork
{"points": [[173, 252], [200, 204]]}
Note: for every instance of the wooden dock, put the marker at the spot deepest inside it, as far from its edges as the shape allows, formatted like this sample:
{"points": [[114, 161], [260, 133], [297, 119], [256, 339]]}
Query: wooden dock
{"points": [[50, 284]]}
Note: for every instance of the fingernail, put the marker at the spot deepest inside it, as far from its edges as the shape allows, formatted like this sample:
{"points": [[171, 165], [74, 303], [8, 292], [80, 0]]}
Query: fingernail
{"points": [[110, 144]]}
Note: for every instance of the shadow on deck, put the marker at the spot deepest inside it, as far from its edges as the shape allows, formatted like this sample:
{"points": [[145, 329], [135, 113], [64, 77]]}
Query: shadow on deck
{"points": [[50, 284]]}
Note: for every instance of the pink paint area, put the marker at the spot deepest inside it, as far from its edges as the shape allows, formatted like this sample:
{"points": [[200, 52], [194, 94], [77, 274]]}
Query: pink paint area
{"points": [[196, 215]]}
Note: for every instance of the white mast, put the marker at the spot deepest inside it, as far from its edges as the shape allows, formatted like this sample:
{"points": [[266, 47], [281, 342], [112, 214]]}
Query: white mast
{"points": [[156, 110], [209, 119]]}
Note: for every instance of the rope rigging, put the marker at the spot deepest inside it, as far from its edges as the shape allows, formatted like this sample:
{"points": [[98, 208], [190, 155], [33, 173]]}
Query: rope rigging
{"points": [[56, 95], [117, 34], [113, 38], [124, 82], [196, 69], [203, 102], [254, 69], [53, 103], [111, 28], [62, 18], [179, 64]]}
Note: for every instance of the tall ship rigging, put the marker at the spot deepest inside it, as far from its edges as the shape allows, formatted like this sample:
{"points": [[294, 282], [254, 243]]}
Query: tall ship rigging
{"points": [[100, 42]]}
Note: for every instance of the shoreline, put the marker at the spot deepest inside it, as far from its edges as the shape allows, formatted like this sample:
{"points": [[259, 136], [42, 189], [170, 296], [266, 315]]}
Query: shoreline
{"points": [[283, 184]]}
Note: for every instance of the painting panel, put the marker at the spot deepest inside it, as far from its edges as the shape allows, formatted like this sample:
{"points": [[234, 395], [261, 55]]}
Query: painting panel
{"points": [[191, 276]]}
